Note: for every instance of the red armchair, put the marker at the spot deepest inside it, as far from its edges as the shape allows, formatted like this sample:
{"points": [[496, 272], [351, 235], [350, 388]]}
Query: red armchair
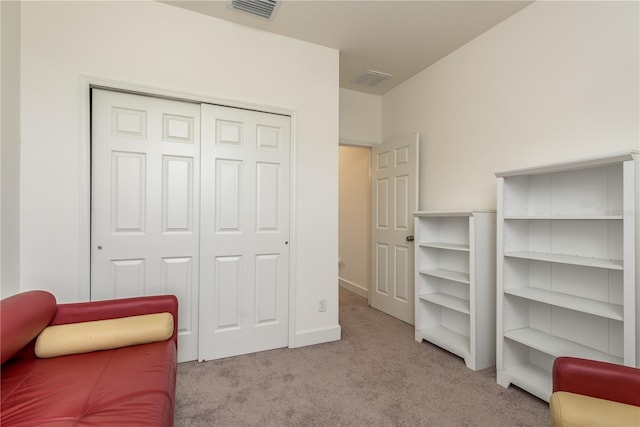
{"points": [[589, 392]]}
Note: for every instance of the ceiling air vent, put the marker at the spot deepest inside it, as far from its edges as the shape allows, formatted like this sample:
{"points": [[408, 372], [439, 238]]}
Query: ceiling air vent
{"points": [[371, 78], [262, 8]]}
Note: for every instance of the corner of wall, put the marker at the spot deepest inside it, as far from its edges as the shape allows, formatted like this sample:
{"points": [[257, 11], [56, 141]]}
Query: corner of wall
{"points": [[353, 287], [10, 149], [360, 118]]}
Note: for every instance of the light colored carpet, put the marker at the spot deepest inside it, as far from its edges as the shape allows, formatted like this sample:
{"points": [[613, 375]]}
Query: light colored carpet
{"points": [[377, 375]]}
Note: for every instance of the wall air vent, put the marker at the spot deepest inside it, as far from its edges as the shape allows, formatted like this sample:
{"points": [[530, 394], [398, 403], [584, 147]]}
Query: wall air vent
{"points": [[262, 8], [371, 78]]}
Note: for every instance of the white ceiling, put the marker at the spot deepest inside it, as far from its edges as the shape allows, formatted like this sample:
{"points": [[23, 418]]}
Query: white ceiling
{"points": [[397, 37]]}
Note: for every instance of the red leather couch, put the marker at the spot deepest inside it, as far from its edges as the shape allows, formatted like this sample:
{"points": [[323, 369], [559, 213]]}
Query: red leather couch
{"points": [[126, 386], [593, 393]]}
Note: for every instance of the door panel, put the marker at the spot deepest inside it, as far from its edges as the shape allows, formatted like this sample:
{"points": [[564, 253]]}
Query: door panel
{"points": [[127, 277], [145, 198], [383, 204], [227, 297], [177, 279], [177, 196], [382, 274], [402, 212], [401, 263], [128, 192], [267, 196], [266, 288], [394, 199], [244, 232], [228, 195]]}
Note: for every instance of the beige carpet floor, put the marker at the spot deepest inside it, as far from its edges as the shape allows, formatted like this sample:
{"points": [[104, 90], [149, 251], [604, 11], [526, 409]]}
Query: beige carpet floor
{"points": [[377, 375]]}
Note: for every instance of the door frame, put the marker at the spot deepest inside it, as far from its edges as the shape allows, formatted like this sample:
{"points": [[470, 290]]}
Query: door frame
{"points": [[370, 145], [85, 84]]}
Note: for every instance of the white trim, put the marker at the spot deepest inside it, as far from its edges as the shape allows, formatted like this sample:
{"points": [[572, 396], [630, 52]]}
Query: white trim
{"points": [[588, 162], [316, 336], [446, 214], [84, 189], [180, 95], [85, 84], [342, 141], [293, 235], [630, 332], [353, 287]]}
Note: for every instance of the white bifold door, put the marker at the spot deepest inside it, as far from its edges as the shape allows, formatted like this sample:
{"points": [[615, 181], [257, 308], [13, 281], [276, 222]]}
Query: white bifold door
{"points": [[193, 200]]}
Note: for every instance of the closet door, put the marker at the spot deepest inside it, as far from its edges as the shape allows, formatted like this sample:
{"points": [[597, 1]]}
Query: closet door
{"points": [[145, 189], [244, 276]]}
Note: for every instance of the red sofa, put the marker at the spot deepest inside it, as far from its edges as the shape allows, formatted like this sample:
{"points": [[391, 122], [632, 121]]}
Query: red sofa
{"points": [[126, 386], [589, 392]]}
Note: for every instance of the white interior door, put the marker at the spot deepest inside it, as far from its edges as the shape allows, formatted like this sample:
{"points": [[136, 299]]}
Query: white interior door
{"points": [[145, 203], [244, 278], [394, 198]]}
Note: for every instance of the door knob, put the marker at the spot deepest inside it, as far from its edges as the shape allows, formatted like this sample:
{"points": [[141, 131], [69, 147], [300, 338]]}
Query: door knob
{"points": [[409, 238]]}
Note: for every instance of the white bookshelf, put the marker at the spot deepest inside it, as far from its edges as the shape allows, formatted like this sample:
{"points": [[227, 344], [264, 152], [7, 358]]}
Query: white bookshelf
{"points": [[566, 267], [455, 283]]}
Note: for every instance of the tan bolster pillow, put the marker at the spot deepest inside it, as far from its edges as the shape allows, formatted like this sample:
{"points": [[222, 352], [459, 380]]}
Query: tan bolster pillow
{"points": [[84, 337], [575, 410]]}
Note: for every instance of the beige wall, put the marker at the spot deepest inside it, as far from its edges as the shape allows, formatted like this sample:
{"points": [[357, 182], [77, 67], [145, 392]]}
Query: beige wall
{"points": [[360, 118], [159, 46], [10, 149], [354, 218], [556, 81]]}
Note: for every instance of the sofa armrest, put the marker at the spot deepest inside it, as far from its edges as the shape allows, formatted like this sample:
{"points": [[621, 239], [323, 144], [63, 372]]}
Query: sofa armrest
{"points": [[116, 308], [22, 317], [597, 379]]}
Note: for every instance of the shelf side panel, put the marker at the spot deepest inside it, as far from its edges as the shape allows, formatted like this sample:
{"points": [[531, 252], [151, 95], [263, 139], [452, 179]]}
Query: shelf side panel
{"points": [[631, 275], [483, 289]]}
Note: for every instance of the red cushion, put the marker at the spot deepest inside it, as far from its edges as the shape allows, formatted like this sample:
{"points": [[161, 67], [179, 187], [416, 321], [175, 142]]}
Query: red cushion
{"points": [[22, 318], [130, 386], [597, 379]]}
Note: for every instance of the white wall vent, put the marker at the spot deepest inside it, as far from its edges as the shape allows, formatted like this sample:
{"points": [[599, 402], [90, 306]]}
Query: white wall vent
{"points": [[262, 8], [371, 78]]}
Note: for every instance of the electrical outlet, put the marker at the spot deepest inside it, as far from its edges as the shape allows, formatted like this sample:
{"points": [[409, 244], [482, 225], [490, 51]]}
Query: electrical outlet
{"points": [[322, 304]]}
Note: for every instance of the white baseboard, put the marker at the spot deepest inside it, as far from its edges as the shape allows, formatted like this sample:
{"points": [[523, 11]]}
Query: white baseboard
{"points": [[356, 289], [316, 336]]}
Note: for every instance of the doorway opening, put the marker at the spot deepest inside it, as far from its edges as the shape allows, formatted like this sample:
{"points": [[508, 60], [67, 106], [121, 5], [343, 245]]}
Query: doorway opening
{"points": [[378, 193], [354, 219]]}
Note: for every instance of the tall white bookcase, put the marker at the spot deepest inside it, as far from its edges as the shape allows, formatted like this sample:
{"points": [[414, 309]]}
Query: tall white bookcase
{"points": [[566, 267], [455, 283]]}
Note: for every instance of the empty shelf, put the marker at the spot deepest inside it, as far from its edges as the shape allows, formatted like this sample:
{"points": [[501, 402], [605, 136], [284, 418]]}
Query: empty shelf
{"points": [[449, 340], [448, 301], [556, 346], [568, 259], [455, 276], [572, 302], [448, 246]]}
